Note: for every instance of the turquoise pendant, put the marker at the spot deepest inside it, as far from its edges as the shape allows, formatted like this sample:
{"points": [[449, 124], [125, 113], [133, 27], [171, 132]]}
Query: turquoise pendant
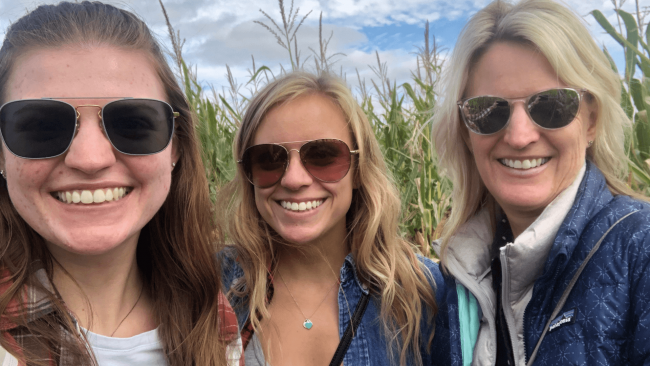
{"points": [[307, 324]]}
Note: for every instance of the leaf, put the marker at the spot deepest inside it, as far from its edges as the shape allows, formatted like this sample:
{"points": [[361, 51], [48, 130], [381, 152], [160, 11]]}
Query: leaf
{"points": [[642, 132], [633, 38], [262, 68], [639, 173], [610, 59], [637, 93], [600, 18]]}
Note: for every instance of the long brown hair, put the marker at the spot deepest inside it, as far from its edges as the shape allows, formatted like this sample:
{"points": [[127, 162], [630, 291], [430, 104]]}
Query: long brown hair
{"points": [[175, 252], [385, 262]]}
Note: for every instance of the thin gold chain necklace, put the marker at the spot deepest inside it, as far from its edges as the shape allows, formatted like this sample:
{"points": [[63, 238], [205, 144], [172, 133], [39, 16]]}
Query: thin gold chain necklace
{"points": [[130, 311], [307, 324]]}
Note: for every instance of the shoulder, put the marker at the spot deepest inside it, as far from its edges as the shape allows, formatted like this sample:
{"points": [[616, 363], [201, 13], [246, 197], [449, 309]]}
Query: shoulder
{"points": [[231, 270], [631, 217], [434, 275]]}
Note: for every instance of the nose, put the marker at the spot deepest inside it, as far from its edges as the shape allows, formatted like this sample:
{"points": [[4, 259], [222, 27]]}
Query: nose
{"points": [[521, 130], [90, 151], [296, 176]]}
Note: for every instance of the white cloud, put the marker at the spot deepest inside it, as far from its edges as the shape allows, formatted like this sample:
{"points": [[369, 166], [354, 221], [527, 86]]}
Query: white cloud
{"points": [[220, 32]]}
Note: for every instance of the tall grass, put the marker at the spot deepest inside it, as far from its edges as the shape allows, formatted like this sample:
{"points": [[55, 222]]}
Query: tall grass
{"points": [[399, 115], [635, 90]]}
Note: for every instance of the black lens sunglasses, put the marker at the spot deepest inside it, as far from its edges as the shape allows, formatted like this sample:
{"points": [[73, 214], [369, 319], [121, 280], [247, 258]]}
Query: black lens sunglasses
{"points": [[44, 128], [549, 109]]}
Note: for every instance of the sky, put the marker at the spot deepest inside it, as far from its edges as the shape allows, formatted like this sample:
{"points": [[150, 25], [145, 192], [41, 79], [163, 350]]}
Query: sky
{"points": [[220, 33]]}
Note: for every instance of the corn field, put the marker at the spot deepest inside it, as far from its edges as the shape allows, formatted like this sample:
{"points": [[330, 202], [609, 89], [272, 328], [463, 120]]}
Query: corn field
{"points": [[400, 114]]}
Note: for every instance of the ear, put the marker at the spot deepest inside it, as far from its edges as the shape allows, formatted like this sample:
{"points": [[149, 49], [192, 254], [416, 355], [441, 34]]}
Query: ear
{"points": [[592, 119], [175, 151]]}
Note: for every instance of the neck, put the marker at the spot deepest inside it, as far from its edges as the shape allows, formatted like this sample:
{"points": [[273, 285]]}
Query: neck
{"points": [[319, 261], [100, 290], [520, 220]]}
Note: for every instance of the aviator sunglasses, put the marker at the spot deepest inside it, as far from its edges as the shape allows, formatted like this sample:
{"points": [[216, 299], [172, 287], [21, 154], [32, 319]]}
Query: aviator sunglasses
{"points": [[327, 160], [44, 128], [548, 109]]}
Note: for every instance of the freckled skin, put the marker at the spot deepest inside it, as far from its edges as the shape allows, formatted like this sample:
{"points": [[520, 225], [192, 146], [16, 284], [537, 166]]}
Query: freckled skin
{"points": [[91, 160]]}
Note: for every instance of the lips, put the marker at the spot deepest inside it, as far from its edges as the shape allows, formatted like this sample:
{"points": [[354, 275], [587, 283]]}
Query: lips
{"points": [[524, 164], [95, 196]]}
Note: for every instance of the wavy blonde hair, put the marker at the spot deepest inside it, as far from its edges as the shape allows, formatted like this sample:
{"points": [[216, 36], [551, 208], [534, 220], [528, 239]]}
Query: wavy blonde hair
{"points": [[557, 33], [385, 262]]}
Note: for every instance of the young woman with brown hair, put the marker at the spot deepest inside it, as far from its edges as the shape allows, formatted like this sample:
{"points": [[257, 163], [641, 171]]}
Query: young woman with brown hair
{"points": [[105, 219]]}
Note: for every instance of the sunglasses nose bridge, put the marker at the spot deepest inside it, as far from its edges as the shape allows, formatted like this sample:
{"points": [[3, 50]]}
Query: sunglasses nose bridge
{"points": [[99, 115]]}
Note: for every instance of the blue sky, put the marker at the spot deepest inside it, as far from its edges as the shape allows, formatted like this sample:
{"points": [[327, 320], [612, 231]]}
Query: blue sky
{"points": [[220, 32]]}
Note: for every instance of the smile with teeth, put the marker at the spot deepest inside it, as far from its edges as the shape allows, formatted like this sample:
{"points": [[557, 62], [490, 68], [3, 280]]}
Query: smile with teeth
{"points": [[525, 164], [88, 197], [300, 206]]}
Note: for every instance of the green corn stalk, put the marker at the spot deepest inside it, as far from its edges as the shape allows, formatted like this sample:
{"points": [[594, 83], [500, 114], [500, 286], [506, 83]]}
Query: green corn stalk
{"points": [[635, 94]]}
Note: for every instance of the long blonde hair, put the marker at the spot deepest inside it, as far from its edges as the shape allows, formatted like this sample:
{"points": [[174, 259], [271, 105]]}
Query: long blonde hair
{"points": [[175, 252], [559, 35], [385, 262]]}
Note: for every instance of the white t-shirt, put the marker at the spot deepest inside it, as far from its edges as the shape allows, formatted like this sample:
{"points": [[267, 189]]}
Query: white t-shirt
{"points": [[142, 349]]}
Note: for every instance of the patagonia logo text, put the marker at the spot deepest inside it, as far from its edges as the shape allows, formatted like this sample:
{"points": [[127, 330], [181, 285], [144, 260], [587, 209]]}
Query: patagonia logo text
{"points": [[568, 317]]}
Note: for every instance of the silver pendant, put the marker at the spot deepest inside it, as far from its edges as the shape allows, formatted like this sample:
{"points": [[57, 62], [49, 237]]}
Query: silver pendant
{"points": [[307, 324]]}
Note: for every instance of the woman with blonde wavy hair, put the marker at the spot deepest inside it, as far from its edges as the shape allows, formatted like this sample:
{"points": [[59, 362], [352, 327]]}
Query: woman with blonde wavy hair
{"points": [[312, 217], [546, 246], [106, 227]]}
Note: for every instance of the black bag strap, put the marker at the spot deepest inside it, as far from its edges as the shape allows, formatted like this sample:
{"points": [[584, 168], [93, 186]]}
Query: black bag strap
{"points": [[350, 331], [567, 291]]}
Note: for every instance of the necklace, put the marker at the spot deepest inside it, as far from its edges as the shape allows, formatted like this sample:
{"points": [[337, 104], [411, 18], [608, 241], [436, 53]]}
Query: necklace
{"points": [[307, 324], [130, 311]]}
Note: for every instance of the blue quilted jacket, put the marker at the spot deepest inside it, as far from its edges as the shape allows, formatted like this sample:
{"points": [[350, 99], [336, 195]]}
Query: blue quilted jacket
{"points": [[606, 318]]}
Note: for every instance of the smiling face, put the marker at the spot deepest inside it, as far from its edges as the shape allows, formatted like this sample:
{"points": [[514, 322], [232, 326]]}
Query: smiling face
{"points": [[513, 71], [308, 117], [90, 165]]}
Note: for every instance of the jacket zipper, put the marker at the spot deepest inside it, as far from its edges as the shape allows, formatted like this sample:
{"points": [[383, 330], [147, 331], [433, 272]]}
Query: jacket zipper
{"points": [[505, 295]]}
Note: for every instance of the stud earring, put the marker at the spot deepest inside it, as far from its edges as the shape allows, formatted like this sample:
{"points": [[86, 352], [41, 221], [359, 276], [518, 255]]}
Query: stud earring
{"points": [[589, 143], [4, 175], [173, 165]]}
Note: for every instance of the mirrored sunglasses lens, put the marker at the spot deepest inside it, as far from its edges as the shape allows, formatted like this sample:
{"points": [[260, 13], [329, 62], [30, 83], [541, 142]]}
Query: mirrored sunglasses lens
{"points": [[486, 115], [139, 126], [264, 164], [554, 108], [36, 129], [326, 160]]}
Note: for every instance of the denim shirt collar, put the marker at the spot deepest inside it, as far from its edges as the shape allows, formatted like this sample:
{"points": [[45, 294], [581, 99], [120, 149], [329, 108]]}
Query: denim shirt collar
{"points": [[349, 273]]}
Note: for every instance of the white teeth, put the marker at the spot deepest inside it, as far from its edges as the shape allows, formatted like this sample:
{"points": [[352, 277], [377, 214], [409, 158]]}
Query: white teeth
{"points": [[88, 197], [300, 206], [525, 164]]}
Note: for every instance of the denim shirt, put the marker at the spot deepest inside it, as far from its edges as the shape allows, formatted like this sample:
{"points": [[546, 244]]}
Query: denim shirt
{"points": [[369, 345]]}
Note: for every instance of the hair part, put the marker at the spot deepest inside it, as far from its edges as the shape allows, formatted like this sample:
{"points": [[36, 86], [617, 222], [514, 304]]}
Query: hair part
{"points": [[561, 37], [385, 262], [176, 249]]}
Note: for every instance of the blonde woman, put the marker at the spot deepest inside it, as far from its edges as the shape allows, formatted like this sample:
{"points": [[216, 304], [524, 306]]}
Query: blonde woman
{"points": [[312, 216], [547, 245]]}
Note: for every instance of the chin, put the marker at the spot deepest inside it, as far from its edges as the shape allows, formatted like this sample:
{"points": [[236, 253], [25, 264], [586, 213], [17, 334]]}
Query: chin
{"points": [[89, 243]]}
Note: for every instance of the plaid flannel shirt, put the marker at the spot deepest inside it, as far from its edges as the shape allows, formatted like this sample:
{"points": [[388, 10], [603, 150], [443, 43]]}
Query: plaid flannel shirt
{"points": [[39, 306]]}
